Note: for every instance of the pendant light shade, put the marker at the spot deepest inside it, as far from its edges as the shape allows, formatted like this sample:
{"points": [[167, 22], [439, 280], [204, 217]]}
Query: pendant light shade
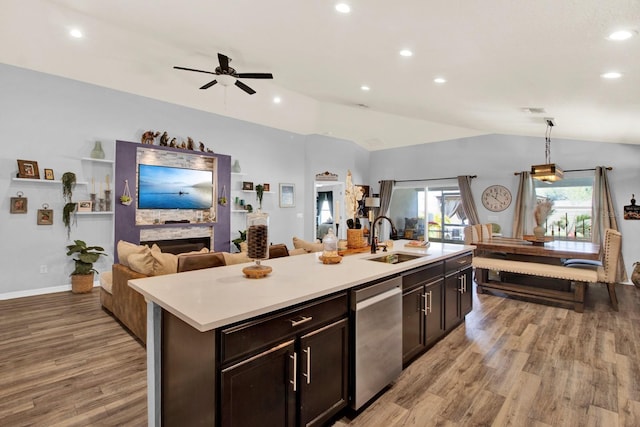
{"points": [[548, 172]]}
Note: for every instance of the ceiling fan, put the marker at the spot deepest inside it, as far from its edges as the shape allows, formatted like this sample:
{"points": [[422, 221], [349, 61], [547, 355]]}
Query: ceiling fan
{"points": [[227, 75]]}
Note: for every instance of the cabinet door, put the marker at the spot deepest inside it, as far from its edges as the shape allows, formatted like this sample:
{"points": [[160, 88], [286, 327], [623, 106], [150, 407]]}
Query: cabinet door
{"points": [[466, 296], [451, 301], [261, 390], [412, 323], [434, 327], [323, 373]]}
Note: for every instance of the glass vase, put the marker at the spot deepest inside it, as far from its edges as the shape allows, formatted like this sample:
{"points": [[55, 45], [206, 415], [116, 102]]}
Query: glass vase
{"points": [[97, 152]]}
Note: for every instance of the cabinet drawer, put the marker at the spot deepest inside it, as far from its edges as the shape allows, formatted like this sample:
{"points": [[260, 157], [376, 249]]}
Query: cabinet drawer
{"points": [[253, 335], [457, 263], [422, 275]]}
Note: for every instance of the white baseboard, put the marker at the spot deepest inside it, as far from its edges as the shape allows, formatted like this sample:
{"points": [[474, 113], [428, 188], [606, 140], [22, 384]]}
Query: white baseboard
{"points": [[40, 291]]}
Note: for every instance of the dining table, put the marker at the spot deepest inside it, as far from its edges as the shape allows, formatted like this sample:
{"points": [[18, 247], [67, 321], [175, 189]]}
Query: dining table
{"points": [[550, 252]]}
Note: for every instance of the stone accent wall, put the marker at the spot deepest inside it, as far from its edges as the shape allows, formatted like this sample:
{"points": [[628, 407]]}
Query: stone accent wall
{"points": [[175, 233]]}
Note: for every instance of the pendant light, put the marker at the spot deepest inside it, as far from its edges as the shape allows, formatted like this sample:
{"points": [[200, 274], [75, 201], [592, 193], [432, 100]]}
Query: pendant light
{"points": [[548, 172]]}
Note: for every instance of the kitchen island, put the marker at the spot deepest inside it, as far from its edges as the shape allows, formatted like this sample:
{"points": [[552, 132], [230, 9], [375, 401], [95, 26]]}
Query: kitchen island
{"points": [[205, 323]]}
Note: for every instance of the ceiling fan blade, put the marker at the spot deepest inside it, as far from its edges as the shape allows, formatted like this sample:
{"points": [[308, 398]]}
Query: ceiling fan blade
{"points": [[208, 85], [255, 75], [224, 62], [192, 69], [244, 87]]}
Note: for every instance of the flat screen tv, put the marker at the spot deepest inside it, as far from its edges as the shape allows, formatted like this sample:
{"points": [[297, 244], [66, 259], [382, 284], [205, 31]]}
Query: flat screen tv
{"points": [[165, 187]]}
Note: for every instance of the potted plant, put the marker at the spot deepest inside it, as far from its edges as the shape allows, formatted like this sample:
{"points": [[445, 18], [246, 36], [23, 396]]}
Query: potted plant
{"points": [[68, 185], [82, 275], [238, 240], [259, 194]]}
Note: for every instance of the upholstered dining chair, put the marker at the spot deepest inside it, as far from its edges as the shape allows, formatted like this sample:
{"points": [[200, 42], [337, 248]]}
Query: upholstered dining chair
{"points": [[278, 250], [606, 269], [199, 261]]}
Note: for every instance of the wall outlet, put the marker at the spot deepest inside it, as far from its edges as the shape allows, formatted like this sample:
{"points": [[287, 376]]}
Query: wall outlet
{"points": [[43, 269]]}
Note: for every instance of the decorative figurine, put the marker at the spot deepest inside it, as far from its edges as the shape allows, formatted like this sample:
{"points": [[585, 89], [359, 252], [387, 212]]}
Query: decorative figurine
{"points": [[172, 143], [164, 139], [190, 145], [149, 136]]}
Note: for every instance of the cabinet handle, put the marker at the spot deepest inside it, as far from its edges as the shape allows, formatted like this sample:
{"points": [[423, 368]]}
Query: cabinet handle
{"points": [[461, 279], [424, 297], [294, 381], [430, 301], [302, 320], [464, 280], [308, 373]]}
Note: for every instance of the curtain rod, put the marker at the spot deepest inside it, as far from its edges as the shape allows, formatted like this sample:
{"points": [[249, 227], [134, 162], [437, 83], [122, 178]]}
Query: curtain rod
{"points": [[609, 168], [426, 179]]}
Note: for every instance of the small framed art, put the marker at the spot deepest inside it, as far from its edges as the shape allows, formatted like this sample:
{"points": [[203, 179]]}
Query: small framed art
{"points": [[287, 195], [45, 216], [84, 206], [28, 169], [267, 187], [18, 205], [247, 185], [48, 174]]}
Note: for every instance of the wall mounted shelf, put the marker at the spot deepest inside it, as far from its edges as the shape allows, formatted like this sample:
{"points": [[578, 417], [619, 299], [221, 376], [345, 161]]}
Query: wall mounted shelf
{"points": [[46, 181]]}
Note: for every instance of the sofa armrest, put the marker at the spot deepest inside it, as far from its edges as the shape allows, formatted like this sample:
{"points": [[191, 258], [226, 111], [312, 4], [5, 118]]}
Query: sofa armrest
{"points": [[129, 306]]}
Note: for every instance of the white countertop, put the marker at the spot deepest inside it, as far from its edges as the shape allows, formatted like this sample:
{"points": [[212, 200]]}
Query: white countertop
{"points": [[215, 297]]}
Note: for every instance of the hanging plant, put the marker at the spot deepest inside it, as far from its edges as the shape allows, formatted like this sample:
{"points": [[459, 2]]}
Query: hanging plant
{"points": [[125, 199], [68, 185], [223, 196]]}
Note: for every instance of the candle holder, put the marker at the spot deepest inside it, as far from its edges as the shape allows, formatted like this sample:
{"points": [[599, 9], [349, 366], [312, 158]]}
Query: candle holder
{"points": [[107, 200], [94, 207]]}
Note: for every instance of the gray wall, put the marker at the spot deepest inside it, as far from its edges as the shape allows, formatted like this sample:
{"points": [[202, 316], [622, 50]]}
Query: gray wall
{"points": [[495, 158], [55, 121]]}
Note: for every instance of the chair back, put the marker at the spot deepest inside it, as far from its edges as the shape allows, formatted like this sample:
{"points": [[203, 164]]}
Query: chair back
{"points": [[610, 255], [477, 233], [199, 261], [278, 250]]}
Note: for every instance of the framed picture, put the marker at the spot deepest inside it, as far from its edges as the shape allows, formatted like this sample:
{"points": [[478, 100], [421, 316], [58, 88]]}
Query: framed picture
{"points": [[48, 174], [247, 185], [287, 195], [45, 216], [267, 187], [18, 205], [84, 206], [28, 169]]}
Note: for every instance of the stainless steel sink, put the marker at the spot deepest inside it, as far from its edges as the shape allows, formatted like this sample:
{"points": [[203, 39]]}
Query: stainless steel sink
{"points": [[395, 257]]}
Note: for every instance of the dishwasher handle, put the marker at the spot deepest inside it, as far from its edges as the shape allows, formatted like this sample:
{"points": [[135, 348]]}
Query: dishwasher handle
{"points": [[376, 299]]}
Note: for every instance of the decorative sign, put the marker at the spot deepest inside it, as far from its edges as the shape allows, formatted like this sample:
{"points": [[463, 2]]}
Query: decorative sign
{"points": [[326, 176], [632, 211]]}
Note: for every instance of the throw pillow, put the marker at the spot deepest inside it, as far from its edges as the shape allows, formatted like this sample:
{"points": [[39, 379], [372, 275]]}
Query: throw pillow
{"points": [[307, 246], [237, 258], [125, 249], [142, 263], [298, 251]]}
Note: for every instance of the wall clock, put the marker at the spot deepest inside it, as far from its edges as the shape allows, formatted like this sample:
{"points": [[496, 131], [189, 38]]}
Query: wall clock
{"points": [[496, 198]]}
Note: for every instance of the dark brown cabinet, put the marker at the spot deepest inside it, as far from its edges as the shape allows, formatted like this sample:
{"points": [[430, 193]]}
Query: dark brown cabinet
{"points": [[458, 286], [422, 310], [301, 378]]}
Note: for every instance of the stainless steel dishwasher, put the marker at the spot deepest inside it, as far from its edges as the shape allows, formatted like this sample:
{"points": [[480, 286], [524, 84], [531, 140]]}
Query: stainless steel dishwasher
{"points": [[377, 313]]}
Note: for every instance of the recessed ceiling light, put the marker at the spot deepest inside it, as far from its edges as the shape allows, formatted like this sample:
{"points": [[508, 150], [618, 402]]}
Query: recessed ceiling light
{"points": [[621, 35], [440, 80], [365, 88], [75, 33], [611, 75], [277, 100], [406, 52], [343, 8]]}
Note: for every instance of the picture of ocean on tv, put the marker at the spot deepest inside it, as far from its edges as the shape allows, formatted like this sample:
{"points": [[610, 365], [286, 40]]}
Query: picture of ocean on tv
{"points": [[164, 187]]}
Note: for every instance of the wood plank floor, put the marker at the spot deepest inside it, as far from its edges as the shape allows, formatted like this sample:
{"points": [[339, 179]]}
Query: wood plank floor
{"points": [[66, 362]]}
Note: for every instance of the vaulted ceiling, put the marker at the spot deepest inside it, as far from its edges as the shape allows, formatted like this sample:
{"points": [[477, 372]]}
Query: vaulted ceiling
{"points": [[507, 64]]}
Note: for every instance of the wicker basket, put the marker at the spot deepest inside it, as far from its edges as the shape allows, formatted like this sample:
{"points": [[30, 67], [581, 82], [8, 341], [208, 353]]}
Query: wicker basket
{"points": [[355, 238], [81, 283]]}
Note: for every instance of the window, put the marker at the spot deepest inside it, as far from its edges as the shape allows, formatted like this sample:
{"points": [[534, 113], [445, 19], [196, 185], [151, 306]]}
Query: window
{"points": [[572, 207], [437, 210]]}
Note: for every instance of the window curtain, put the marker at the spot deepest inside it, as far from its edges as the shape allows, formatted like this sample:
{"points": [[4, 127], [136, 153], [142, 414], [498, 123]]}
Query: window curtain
{"points": [[604, 215], [324, 196], [525, 204], [469, 206], [386, 189]]}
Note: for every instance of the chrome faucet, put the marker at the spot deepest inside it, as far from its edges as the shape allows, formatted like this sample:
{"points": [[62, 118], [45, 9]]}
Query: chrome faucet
{"points": [[374, 245]]}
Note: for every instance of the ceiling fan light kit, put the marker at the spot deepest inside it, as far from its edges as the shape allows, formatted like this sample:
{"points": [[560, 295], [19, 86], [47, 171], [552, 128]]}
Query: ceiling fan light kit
{"points": [[227, 76], [548, 172]]}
